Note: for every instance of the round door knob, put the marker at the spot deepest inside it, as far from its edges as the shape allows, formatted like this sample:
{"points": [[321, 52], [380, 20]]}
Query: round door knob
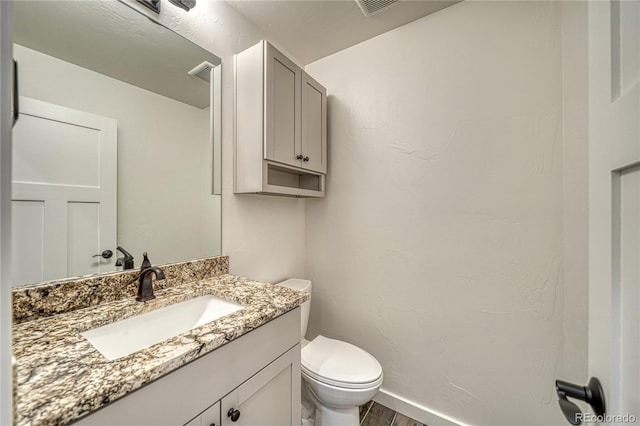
{"points": [[299, 157], [105, 254], [233, 414], [305, 159]]}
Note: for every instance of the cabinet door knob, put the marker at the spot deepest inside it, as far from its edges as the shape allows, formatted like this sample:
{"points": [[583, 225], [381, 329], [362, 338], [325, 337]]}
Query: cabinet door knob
{"points": [[305, 159], [299, 157], [233, 414]]}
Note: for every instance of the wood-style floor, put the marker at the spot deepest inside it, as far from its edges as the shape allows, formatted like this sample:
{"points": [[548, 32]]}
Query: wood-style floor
{"points": [[374, 414]]}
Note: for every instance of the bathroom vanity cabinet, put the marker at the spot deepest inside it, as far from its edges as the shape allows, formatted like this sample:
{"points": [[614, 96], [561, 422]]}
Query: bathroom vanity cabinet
{"points": [[257, 374], [280, 126]]}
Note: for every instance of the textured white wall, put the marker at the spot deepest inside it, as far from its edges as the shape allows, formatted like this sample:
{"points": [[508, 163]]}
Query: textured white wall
{"points": [[164, 201], [439, 247], [263, 235]]}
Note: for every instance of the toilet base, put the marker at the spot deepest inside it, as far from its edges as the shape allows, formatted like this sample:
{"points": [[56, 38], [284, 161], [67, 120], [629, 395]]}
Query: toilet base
{"points": [[327, 416], [323, 415]]}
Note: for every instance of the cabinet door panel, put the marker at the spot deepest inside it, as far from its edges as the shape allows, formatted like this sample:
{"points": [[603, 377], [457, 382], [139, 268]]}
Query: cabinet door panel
{"points": [[282, 109], [211, 416], [269, 398], [195, 422], [314, 125]]}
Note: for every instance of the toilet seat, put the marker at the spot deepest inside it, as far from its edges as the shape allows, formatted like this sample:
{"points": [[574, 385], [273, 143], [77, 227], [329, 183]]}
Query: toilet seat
{"points": [[340, 364]]}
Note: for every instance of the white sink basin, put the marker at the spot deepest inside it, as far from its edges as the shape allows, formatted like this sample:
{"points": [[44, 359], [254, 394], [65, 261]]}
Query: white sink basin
{"points": [[125, 337]]}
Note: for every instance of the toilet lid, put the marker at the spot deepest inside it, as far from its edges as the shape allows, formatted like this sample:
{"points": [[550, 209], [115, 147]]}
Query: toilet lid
{"points": [[340, 364]]}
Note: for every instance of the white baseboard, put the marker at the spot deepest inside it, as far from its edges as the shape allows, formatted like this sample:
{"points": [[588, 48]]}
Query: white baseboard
{"points": [[414, 410]]}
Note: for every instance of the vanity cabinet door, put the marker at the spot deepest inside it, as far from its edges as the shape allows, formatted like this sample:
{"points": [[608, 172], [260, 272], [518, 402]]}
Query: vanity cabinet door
{"points": [[314, 125], [282, 108], [209, 417], [195, 422], [269, 398]]}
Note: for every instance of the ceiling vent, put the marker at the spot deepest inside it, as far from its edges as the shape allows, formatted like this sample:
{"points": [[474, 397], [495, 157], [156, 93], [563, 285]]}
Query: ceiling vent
{"points": [[373, 7], [203, 71]]}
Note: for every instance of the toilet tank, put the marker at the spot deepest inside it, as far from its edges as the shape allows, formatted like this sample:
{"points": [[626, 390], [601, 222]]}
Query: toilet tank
{"points": [[305, 286]]}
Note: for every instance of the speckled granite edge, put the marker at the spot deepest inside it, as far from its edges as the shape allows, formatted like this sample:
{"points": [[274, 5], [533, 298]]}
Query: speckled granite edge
{"points": [[62, 377], [34, 301]]}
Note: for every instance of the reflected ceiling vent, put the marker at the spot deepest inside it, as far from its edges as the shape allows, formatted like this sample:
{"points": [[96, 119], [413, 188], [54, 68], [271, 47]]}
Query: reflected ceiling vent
{"points": [[373, 7], [203, 71]]}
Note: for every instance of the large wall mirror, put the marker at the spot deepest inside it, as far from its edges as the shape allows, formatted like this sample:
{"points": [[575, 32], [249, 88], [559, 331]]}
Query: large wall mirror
{"points": [[117, 143]]}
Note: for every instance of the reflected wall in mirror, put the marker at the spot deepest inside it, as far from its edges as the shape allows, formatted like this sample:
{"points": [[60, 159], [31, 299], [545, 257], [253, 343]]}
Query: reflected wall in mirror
{"points": [[115, 144]]}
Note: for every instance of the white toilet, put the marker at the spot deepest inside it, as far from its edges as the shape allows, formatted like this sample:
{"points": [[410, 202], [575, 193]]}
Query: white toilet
{"points": [[338, 377]]}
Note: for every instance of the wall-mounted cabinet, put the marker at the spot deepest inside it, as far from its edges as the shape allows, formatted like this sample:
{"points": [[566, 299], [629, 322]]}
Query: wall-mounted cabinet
{"points": [[280, 126]]}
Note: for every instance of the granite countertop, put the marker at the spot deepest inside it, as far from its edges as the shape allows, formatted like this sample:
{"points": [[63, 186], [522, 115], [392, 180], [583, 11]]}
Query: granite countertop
{"points": [[62, 377]]}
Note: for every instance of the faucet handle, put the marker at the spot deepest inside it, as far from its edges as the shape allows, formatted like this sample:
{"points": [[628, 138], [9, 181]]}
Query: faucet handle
{"points": [[146, 263]]}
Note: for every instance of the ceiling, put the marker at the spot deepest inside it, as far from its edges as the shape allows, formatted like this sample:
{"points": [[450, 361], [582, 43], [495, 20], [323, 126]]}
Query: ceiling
{"points": [[313, 29], [113, 39]]}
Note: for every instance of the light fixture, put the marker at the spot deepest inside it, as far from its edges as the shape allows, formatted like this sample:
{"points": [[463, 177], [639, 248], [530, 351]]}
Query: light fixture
{"points": [[184, 4], [151, 4]]}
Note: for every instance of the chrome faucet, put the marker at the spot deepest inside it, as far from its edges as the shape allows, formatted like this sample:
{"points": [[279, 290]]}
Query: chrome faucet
{"points": [[145, 288]]}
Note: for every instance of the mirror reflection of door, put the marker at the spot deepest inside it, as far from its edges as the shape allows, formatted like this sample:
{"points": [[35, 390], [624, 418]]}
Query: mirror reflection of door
{"points": [[63, 192]]}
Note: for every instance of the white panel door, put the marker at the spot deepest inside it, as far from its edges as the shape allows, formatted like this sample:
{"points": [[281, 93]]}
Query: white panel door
{"points": [[614, 202], [63, 192]]}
